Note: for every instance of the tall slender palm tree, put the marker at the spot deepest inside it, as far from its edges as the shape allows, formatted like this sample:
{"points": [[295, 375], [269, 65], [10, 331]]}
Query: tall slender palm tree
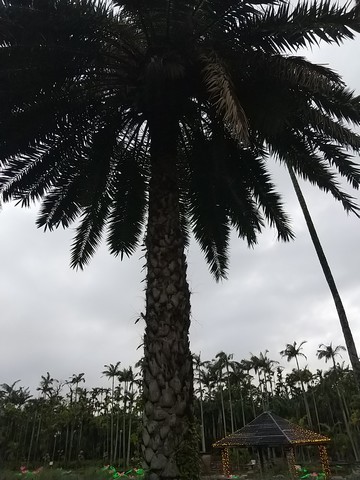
{"points": [[164, 112], [293, 351], [224, 361], [328, 352], [112, 372], [46, 385], [349, 340], [197, 367]]}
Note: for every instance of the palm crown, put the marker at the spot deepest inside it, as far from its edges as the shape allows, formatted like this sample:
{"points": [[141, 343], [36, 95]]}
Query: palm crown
{"points": [[97, 76]]}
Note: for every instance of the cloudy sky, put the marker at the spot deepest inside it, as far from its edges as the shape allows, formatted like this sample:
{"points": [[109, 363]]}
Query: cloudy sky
{"points": [[64, 321]]}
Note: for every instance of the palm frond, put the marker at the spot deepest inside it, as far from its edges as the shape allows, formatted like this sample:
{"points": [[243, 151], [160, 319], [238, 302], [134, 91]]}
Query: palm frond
{"points": [[126, 219], [309, 165], [224, 97], [89, 232], [284, 28]]}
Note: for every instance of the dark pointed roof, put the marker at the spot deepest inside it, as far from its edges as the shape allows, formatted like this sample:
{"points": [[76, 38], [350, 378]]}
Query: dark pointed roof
{"points": [[271, 430]]}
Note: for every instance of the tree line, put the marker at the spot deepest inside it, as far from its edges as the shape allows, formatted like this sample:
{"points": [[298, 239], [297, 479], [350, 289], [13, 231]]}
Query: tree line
{"points": [[69, 424]]}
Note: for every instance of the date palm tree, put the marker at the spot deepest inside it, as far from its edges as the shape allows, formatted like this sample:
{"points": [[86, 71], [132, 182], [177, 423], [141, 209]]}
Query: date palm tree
{"points": [[162, 113]]}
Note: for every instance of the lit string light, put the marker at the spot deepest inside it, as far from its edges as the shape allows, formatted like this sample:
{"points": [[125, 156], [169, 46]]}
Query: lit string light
{"points": [[252, 435], [225, 460], [324, 461]]}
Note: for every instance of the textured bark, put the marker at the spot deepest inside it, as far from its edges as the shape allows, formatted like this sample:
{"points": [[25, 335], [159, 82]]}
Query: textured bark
{"points": [[349, 340], [168, 374]]}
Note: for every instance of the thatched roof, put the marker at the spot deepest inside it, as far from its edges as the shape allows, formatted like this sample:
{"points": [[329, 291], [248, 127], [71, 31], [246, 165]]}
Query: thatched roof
{"points": [[269, 430]]}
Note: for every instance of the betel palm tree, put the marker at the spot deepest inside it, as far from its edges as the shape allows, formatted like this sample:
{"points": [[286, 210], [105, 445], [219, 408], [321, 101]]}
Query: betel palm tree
{"points": [[164, 112], [328, 352], [224, 361], [349, 339], [198, 364], [112, 372], [293, 351]]}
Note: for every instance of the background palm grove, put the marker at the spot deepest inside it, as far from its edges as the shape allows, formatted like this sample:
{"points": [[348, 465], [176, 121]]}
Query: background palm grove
{"points": [[73, 426], [159, 117]]}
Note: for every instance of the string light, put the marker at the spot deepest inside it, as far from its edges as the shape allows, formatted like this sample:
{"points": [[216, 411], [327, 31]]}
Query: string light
{"points": [[283, 433], [225, 460], [324, 461]]}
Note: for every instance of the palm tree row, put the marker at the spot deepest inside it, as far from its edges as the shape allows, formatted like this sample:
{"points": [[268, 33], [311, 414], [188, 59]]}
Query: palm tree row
{"points": [[104, 424], [61, 427]]}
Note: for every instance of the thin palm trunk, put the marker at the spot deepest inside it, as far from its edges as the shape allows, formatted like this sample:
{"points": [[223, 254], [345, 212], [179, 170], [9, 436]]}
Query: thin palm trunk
{"points": [[37, 438], [203, 447], [242, 405], [307, 409], [347, 425], [230, 399], [168, 374], [350, 344], [316, 412], [31, 439], [223, 415], [112, 453], [117, 435], [129, 435], [124, 429]]}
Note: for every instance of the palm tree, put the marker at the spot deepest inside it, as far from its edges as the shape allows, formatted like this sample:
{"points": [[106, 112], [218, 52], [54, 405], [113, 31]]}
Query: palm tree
{"points": [[197, 367], [349, 340], [75, 380], [165, 112], [46, 385], [112, 372], [224, 361], [328, 352], [293, 351]]}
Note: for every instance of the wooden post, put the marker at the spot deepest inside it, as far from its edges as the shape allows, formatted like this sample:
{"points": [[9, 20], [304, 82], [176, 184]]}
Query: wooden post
{"points": [[290, 455], [261, 461]]}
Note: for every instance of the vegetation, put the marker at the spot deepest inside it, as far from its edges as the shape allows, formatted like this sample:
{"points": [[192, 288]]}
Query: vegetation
{"points": [[73, 426], [164, 113]]}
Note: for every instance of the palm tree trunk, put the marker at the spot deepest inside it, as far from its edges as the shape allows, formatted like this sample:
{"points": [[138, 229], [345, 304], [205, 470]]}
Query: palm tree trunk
{"points": [[37, 438], [223, 415], [124, 429], [350, 344], [307, 409], [347, 426], [168, 373], [117, 435], [203, 446], [129, 436], [112, 421], [230, 400], [242, 405], [316, 412], [31, 440]]}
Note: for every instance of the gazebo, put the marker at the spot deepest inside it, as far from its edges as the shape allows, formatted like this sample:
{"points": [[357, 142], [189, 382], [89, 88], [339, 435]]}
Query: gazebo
{"points": [[270, 430]]}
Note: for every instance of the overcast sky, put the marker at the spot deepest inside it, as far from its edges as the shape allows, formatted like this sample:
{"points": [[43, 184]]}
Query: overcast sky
{"points": [[64, 321]]}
